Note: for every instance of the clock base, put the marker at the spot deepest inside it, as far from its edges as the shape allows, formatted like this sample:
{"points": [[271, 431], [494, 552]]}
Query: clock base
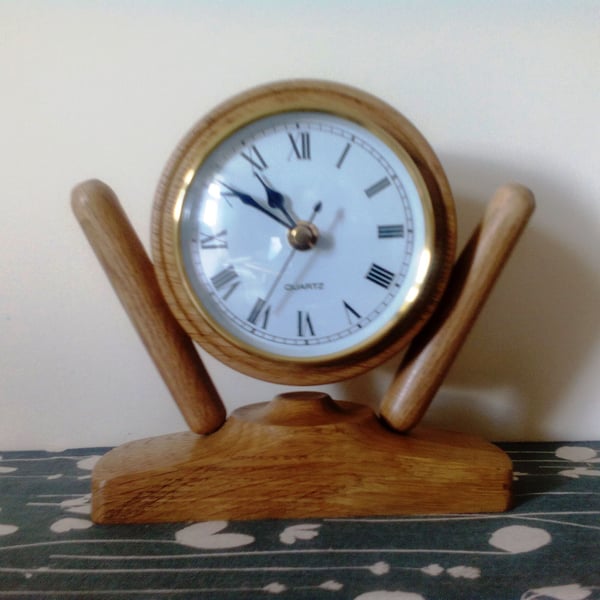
{"points": [[302, 455]]}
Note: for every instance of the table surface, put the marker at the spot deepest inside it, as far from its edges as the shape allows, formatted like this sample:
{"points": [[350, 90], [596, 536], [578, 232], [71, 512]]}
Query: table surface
{"points": [[544, 548]]}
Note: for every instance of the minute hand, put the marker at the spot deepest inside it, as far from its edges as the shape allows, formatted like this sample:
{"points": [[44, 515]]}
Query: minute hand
{"points": [[250, 201]]}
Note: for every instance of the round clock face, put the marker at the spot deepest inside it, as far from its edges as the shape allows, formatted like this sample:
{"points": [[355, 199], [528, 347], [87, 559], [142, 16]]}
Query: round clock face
{"points": [[300, 237]]}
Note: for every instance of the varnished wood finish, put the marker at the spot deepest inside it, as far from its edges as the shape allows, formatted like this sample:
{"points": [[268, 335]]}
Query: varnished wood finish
{"points": [[131, 273], [346, 102], [300, 456], [432, 352]]}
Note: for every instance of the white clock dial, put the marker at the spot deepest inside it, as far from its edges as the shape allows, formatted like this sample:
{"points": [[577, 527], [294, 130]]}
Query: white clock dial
{"points": [[304, 236]]}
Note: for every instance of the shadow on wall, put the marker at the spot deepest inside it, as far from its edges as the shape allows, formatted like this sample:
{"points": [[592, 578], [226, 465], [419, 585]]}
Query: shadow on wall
{"points": [[537, 327]]}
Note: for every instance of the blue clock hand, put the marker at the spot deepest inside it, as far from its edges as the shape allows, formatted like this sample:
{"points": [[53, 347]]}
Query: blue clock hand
{"points": [[250, 201], [276, 200]]}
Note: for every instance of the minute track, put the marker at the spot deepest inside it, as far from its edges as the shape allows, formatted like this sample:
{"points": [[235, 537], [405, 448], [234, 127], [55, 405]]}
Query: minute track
{"points": [[297, 319]]}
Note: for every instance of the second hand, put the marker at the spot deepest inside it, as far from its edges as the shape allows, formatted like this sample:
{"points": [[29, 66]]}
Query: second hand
{"points": [[317, 207]]}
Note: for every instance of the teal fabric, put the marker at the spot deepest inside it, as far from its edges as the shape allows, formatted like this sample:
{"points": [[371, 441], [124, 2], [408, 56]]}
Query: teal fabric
{"points": [[547, 547]]}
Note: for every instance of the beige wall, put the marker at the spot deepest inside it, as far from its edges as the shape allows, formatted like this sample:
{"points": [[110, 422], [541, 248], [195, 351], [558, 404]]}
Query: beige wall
{"points": [[502, 90]]}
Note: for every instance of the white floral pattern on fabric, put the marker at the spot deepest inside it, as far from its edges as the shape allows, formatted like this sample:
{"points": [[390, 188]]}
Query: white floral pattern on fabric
{"points": [[206, 535], [562, 592], [66, 525], [385, 595], [520, 538], [304, 531]]}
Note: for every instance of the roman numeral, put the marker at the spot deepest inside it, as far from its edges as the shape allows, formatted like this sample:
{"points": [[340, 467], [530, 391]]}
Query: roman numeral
{"points": [[380, 276], [255, 313], [300, 146], [227, 278], [351, 313], [255, 158], [343, 156], [390, 231], [305, 326], [212, 242], [377, 187]]}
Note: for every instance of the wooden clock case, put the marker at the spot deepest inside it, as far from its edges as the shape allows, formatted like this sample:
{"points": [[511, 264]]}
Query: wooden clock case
{"points": [[301, 454]]}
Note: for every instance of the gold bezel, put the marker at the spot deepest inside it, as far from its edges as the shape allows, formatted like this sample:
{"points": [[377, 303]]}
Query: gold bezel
{"points": [[325, 97]]}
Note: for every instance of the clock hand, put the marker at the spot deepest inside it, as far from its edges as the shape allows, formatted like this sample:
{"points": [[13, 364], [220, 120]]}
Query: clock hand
{"points": [[283, 269], [263, 301], [276, 200], [316, 208], [250, 201]]}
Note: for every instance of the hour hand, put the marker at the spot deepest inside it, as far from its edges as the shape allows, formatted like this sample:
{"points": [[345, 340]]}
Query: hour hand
{"points": [[250, 201], [276, 200]]}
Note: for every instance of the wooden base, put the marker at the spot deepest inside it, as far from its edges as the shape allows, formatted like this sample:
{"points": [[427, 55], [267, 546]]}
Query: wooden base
{"points": [[301, 455]]}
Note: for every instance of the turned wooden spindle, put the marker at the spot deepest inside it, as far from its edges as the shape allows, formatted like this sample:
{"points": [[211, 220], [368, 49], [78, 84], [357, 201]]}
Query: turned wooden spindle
{"points": [[433, 351], [132, 276]]}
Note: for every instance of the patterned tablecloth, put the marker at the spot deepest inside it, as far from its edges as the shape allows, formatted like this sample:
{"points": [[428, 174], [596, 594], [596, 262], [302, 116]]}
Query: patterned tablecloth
{"points": [[546, 548]]}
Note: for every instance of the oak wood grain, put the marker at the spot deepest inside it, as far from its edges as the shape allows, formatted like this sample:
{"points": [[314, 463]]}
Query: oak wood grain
{"points": [[132, 276], [299, 456], [432, 352]]}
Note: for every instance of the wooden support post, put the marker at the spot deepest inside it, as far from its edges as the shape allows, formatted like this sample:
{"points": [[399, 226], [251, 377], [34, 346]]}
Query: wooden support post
{"points": [[132, 276], [433, 351]]}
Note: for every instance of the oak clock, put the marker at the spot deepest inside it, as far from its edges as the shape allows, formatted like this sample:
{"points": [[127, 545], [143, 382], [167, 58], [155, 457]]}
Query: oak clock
{"points": [[303, 232]]}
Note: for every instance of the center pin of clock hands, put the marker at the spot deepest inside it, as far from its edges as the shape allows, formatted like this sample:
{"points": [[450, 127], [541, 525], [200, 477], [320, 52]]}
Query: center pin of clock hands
{"points": [[262, 302], [302, 235], [305, 234]]}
